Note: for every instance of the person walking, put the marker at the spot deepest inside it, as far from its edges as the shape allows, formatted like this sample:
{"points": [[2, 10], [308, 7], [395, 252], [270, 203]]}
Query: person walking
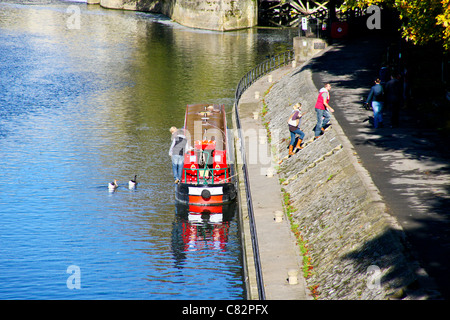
{"points": [[176, 152], [294, 129], [394, 94], [376, 97], [323, 110]]}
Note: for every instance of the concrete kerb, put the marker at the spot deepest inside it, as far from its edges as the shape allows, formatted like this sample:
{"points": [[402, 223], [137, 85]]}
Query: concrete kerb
{"points": [[251, 284]]}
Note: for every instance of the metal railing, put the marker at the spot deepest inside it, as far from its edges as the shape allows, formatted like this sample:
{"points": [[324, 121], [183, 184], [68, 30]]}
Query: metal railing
{"points": [[246, 81], [262, 69]]}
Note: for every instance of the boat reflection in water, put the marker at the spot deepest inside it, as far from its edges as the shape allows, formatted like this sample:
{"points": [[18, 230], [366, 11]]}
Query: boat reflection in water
{"points": [[201, 228]]}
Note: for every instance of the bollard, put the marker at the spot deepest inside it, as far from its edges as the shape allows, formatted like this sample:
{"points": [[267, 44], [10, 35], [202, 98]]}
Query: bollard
{"points": [[269, 172], [255, 115], [278, 216], [294, 63], [256, 95], [292, 276], [270, 78]]}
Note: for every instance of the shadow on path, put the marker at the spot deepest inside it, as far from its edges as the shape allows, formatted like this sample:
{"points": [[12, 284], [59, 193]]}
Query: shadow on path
{"points": [[409, 164]]}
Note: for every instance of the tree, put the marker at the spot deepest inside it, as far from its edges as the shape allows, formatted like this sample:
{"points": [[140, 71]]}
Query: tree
{"points": [[444, 20], [424, 21]]}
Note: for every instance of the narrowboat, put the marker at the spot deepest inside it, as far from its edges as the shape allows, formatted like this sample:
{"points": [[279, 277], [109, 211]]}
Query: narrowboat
{"points": [[206, 179]]}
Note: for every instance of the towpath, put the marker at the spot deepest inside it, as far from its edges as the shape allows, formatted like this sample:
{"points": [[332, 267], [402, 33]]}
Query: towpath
{"points": [[278, 251]]}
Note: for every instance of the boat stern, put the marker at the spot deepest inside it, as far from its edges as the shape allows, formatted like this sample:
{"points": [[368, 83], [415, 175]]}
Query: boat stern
{"points": [[205, 195]]}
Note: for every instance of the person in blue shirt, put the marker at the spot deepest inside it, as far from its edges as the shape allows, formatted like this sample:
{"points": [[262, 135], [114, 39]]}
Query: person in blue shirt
{"points": [[376, 98]]}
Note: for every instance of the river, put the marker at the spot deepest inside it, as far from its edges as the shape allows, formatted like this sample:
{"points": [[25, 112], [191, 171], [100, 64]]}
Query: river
{"points": [[87, 95]]}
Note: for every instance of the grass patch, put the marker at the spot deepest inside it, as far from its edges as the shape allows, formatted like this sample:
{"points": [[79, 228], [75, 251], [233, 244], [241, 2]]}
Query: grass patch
{"points": [[265, 121], [301, 242]]}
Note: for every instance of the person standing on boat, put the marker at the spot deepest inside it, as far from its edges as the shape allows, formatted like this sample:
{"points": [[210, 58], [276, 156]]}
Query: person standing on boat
{"points": [[177, 150]]}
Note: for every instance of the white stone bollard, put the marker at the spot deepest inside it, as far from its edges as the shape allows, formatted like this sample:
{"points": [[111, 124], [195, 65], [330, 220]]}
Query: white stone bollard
{"points": [[278, 216], [270, 78], [262, 139], [293, 276]]}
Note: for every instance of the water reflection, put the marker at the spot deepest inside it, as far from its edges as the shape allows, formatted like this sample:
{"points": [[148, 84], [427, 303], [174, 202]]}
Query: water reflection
{"points": [[201, 228]]}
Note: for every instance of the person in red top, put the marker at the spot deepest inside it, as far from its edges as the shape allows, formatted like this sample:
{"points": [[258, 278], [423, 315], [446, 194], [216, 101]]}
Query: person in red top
{"points": [[323, 110]]}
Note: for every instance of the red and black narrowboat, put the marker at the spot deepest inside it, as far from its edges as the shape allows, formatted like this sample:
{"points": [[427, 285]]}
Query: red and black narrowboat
{"points": [[206, 179]]}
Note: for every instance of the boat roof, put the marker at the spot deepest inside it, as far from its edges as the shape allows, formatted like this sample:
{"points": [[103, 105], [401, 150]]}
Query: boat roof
{"points": [[206, 122]]}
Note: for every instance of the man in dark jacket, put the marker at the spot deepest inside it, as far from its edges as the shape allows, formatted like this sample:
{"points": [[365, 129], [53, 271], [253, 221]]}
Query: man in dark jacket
{"points": [[376, 97]]}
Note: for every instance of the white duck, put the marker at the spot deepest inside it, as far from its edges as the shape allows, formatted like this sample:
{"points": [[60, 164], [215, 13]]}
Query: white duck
{"points": [[132, 183], [113, 185]]}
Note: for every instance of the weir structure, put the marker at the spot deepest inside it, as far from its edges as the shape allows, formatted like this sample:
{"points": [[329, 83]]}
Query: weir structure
{"points": [[224, 15]]}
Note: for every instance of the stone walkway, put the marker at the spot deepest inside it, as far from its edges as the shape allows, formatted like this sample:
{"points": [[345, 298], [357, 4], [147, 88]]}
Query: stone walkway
{"points": [[278, 251]]}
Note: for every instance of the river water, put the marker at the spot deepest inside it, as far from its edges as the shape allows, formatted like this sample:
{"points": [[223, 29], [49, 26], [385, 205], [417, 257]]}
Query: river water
{"points": [[88, 95]]}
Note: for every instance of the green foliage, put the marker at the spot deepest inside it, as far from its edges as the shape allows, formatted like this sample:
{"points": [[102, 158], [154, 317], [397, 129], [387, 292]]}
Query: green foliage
{"points": [[424, 21], [444, 21], [301, 242]]}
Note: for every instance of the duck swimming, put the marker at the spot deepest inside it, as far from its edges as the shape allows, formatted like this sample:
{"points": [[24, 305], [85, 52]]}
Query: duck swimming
{"points": [[113, 185], [132, 183]]}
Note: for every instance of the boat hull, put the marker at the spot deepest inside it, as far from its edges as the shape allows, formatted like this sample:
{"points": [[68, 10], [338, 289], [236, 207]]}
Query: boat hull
{"points": [[205, 195]]}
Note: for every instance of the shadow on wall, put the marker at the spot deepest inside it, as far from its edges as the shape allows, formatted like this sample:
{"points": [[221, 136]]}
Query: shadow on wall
{"points": [[385, 261]]}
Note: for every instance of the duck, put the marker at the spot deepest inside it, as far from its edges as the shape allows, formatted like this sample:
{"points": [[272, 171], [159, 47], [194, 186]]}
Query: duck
{"points": [[113, 185], [132, 183]]}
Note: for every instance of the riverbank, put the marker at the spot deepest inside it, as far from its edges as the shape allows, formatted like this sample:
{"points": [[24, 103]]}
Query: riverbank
{"points": [[279, 255], [352, 243]]}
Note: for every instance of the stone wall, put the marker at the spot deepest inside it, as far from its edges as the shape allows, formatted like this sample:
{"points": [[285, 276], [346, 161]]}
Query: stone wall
{"points": [[305, 48], [137, 5], [357, 250], [220, 15]]}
